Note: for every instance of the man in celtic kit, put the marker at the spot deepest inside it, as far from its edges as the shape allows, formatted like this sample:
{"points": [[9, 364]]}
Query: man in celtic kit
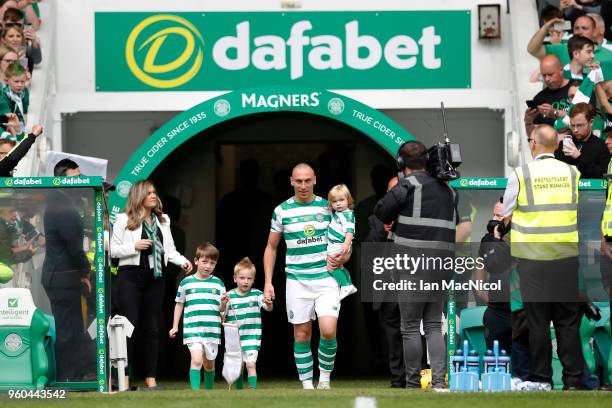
{"points": [[312, 292]]}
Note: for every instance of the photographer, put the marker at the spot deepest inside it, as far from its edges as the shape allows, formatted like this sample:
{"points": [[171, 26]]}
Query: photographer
{"points": [[498, 263], [423, 210]]}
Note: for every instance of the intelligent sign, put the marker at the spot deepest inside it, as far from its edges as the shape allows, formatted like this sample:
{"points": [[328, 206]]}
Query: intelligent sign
{"points": [[339, 50]]}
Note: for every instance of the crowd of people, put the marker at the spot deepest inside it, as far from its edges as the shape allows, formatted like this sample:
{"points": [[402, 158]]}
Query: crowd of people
{"points": [[575, 71], [20, 53]]}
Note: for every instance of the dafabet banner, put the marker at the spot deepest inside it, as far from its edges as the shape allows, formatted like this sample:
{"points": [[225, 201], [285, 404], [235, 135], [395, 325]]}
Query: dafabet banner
{"points": [[334, 50]]}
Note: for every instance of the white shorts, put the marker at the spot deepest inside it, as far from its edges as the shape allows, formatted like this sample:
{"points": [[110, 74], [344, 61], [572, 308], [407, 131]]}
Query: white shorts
{"points": [[209, 349], [305, 298], [250, 356]]}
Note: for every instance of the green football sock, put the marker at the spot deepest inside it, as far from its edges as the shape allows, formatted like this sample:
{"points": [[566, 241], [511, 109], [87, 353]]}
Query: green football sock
{"points": [[240, 383], [252, 379], [327, 354], [303, 360], [194, 379], [209, 379]]}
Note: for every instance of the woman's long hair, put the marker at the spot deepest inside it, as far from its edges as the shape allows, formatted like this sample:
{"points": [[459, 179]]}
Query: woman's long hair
{"points": [[135, 209]]}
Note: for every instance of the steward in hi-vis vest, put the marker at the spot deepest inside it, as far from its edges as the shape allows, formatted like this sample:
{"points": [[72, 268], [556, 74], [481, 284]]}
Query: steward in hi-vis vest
{"points": [[545, 221], [541, 199]]}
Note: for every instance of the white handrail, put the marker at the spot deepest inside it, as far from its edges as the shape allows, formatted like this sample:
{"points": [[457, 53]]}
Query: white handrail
{"points": [[523, 22], [42, 92]]}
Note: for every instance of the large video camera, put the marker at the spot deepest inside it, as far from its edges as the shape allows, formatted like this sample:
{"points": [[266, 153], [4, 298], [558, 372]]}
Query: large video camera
{"points": [[443, 158]]}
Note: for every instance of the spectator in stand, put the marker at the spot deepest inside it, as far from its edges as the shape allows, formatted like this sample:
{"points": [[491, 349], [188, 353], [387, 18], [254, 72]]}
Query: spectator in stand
{"points": [[26, 10], [554, 36], [606, 14], [12, 152], [584, 26], [15, 97], [583, 92], [600, 31], [24, 42], [552, 100], [13, 16], [604, 96], [571, 92], [7, 57], [562, 122], [585, 151], [573, 9], [581, 51]]}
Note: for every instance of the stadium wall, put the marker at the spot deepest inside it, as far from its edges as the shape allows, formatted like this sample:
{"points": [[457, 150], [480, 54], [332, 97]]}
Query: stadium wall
{"points": [[491, 70]]}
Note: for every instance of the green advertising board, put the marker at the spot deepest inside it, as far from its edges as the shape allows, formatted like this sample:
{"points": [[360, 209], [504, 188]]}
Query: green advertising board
{"points": [[468, 183], [336, 50], [27, 182]]}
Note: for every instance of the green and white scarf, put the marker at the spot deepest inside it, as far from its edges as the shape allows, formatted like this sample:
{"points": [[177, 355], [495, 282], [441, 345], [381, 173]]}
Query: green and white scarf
{"points": [[17, 99], [567, 73], [582, 95], [157, 247]]}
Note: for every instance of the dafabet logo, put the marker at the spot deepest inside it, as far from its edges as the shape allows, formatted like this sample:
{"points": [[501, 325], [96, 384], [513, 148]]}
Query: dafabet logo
{"points": [[154, 56], [197, 51]]}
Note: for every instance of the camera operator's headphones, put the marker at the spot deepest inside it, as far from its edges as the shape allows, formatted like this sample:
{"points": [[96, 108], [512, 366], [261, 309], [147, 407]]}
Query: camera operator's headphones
{"points": [[400, 161]]}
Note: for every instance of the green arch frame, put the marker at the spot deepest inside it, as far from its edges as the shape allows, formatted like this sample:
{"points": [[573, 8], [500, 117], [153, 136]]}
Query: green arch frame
{"points": [[372, 123]]}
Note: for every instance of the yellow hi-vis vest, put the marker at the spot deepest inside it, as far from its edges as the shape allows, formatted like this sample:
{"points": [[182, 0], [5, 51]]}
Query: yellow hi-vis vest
{"points": [[545, 221], [606, 220]]}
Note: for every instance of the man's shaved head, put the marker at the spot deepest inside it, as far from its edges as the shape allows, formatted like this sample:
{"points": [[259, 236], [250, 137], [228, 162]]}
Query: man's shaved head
{"points": [[545, 136], [552, 71], [551, 60], [302, 167]]}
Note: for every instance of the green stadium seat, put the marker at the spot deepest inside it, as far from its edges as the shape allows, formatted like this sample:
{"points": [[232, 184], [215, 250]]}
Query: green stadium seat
{"points": [[588, 330], [472, 329], [50, 347], [23, 341], [26, 367], [557, 367]]}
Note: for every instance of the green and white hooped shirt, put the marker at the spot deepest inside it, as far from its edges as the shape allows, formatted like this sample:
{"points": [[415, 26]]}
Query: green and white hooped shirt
{"points": [[201, 316], [304, 228], [341, 223], [246, 310]]}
